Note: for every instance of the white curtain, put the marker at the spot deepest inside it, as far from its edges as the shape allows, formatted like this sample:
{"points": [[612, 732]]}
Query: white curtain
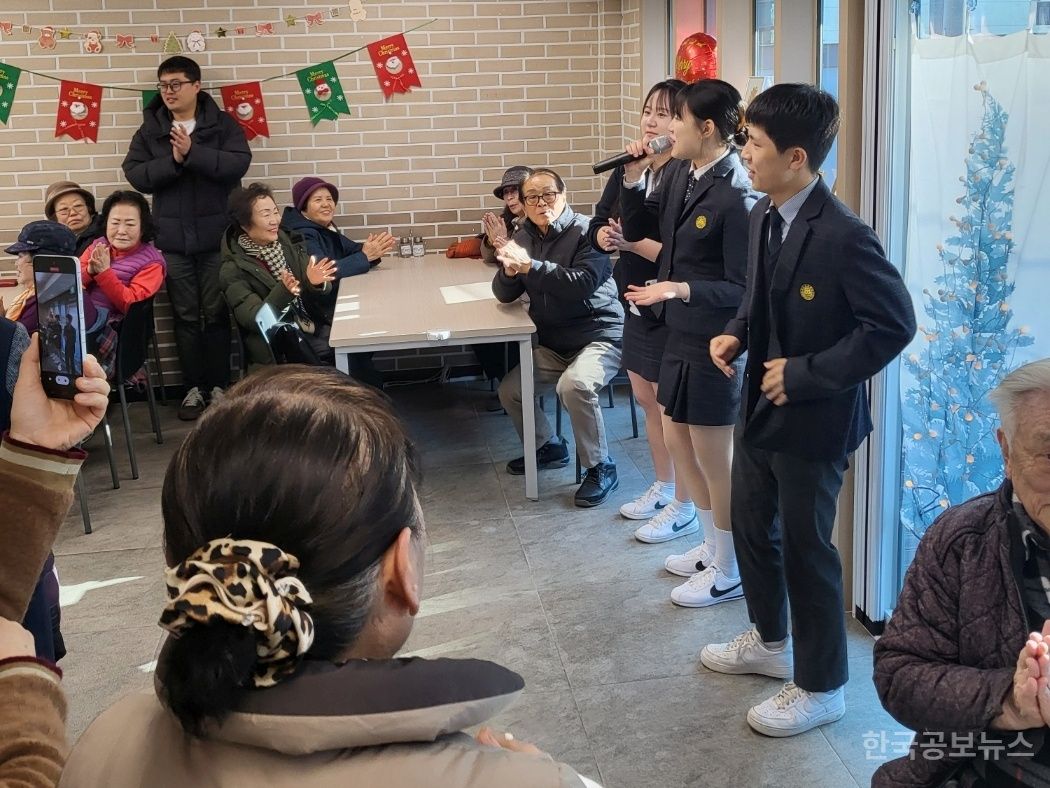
{"points": [[978, 256]]}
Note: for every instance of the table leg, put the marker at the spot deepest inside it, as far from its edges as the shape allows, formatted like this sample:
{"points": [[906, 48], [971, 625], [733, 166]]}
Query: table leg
{"points": [[528, 412], [342, 362]]}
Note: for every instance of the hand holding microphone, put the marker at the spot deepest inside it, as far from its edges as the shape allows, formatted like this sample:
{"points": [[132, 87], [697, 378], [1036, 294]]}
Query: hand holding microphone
{"points": [[635, 152]]}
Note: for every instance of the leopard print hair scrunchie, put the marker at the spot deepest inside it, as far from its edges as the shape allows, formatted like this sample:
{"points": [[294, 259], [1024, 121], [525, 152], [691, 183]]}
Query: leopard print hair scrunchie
{"points": [[251, 584]]}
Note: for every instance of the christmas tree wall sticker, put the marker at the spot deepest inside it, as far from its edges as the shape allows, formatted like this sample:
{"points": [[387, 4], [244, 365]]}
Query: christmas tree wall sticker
{"points": [[949, 449]]}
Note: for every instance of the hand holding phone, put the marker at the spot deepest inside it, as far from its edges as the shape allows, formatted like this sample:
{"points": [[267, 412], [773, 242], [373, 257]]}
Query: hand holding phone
{"points": [[53, 423], [60, 316]]}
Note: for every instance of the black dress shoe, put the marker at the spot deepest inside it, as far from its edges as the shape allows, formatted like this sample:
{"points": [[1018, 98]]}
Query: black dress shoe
{"points": [[597, 485], [553, 454]]}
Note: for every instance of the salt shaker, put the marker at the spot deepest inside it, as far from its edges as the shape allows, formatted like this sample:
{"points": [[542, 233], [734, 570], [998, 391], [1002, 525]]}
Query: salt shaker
{"points": [[418, 250], [406, 246]]}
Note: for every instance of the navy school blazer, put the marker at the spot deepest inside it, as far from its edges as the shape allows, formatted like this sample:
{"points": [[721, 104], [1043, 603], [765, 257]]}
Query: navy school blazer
{"points": [[704, 241], [837, 310]]}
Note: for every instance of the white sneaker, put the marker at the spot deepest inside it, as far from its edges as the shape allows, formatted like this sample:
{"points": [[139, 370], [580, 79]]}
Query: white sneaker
{"points": [[707, 588], [746, 653], [688, 564], [668, 525], [648, 504], [217, 395], [794, 710]]}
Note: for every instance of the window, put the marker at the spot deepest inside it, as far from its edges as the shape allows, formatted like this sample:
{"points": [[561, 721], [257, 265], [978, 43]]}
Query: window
{"points": [[828, 67], [686, 17], [979, 17], [763, 66]]}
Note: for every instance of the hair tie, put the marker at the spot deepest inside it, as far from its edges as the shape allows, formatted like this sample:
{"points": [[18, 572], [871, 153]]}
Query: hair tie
{"points": [[247, 583]]}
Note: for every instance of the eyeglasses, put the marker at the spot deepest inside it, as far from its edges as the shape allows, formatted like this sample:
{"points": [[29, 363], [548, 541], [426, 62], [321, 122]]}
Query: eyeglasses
{"points": [[547, 197], [174, 86], [69, 210]]}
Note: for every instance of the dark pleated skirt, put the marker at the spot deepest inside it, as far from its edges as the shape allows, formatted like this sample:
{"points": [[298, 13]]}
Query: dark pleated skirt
{"points": [[692, 389], [643, 346]]}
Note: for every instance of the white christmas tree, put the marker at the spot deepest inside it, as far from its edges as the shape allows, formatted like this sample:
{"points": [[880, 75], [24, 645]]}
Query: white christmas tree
{"points": [[949, 449]]}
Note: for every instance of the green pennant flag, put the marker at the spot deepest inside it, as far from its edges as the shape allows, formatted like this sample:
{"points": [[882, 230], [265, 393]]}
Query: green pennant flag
{"points": [[147, 97], [322, 91], [8, 85]]}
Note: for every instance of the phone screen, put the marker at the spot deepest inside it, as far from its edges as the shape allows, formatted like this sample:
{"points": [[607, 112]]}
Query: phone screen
{"points": [[60, 316]]}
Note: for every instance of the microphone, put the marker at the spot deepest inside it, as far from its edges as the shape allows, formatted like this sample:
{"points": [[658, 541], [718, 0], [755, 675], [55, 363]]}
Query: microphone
{"points": [[656, 145]]}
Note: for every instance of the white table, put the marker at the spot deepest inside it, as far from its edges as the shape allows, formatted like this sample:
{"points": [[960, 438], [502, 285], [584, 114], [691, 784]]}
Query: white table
{"points": [[433, 301]]}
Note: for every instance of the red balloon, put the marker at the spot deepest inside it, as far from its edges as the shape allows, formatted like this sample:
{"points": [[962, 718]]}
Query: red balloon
{"points": [[697, 58]]}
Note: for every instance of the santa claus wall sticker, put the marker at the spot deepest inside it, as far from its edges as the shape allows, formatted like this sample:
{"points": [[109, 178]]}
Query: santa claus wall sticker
{"points": [[393, 64], [244, 103]]}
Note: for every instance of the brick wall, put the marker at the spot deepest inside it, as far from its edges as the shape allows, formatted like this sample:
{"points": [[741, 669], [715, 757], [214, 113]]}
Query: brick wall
{"points": [[544, 83]]}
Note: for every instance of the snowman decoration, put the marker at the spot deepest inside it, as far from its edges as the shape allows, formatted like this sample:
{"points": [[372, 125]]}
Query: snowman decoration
{"points": [[93, 42], [78, 110], [195, 41], [245, 111]]}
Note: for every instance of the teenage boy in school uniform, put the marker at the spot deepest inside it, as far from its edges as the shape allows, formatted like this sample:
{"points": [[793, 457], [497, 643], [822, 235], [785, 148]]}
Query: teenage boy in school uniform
{"points": [[823, 312]]}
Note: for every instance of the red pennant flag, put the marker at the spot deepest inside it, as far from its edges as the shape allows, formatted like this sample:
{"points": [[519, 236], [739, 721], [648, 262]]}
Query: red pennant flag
{"points": [[244, 102], [79, 111], [393, 64]]}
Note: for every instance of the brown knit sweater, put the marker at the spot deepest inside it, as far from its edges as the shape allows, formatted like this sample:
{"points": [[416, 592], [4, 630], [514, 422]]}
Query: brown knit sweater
{"points": [[36, 489]]}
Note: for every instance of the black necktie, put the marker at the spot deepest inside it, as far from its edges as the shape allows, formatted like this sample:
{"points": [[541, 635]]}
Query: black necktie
{"points": [[775, 240], [689, 189]]}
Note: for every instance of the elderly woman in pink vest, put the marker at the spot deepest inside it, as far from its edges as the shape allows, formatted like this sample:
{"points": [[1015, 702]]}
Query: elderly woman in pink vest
{"points": [[123, 266]]}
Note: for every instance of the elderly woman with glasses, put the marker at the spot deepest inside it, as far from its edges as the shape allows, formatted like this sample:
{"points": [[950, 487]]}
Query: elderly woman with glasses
{"points": [[579, 323], [264, 266], [68, 203]]}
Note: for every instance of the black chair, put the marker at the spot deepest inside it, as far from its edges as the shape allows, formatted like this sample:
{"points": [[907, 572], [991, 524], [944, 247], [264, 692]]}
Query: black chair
{"points": [[134, 335], [620, 379]]}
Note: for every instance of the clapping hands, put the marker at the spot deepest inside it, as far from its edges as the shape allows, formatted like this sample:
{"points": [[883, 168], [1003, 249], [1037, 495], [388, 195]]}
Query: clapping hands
{"points": [[320, 272], [100, 259], [1028, 705], [515, 258], [495, 230], [378, 244], [290, 283]]}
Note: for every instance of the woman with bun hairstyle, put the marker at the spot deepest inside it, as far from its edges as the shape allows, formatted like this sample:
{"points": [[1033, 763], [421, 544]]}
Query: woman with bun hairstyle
{"points": [[288, 598], [703, 211]]}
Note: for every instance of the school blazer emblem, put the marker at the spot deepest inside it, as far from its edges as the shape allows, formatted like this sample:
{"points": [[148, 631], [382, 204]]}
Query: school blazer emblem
{"points": [[807, 292], [701, 222]]}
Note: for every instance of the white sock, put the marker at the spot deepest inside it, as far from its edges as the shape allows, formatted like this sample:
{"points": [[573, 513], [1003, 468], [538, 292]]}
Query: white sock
{"points": [[666, 488], [685, 509], [707, 522], [725, 554]]}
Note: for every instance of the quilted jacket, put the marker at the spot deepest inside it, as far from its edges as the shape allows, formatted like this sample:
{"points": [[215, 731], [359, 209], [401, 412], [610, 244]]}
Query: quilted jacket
{"points": [[946, 660]]}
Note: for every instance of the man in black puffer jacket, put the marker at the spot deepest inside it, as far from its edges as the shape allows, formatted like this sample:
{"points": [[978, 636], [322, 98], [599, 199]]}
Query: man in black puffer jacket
{"points": [[579, 326], [190, 155], [957, 662]]}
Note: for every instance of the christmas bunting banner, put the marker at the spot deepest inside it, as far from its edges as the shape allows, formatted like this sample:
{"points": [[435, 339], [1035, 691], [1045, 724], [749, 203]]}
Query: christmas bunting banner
{"points": [[323, 93], [393, 64], [244, 102], [79, 110], [8, 85], [147, 97]]}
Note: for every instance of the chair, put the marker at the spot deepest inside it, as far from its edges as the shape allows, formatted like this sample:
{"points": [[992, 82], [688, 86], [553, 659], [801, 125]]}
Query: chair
{"points": [[135, 333], [620, 379]]}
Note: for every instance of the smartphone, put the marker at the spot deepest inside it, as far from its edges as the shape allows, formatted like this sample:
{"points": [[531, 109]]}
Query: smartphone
{"points": [[60, 315]]}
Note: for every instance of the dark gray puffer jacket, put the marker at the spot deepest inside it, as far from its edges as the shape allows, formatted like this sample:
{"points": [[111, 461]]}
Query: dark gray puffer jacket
{"points": [[946, 661], [573, 299]]}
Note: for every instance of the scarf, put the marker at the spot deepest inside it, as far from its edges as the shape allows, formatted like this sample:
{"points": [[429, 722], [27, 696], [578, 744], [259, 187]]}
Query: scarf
{"points": [[272, 256]]}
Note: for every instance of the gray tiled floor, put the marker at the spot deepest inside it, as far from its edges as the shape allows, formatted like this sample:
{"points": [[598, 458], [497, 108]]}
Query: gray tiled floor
{"points": [[562, 595]]}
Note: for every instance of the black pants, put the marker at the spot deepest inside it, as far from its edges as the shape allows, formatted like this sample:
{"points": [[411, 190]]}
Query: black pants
{"points": [[202, 323], [783, 511]]}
